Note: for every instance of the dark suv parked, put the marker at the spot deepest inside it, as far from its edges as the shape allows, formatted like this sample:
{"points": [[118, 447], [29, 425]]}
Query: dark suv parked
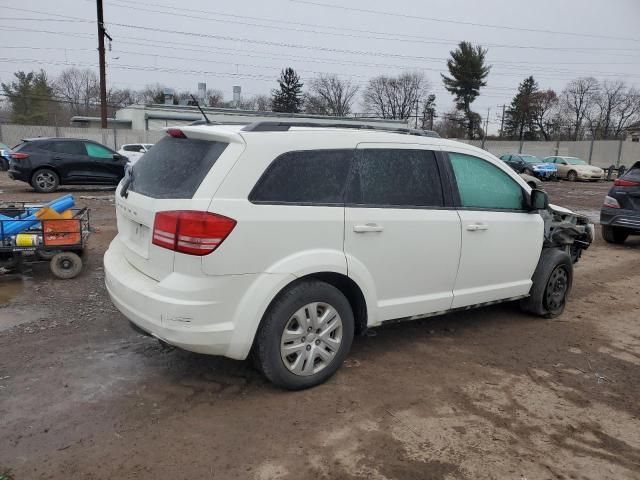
{"points": [[46, 163], [620, 214]]}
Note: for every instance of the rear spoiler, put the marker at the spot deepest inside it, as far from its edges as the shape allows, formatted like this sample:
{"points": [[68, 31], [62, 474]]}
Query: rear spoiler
{"points": [[208, 132]]}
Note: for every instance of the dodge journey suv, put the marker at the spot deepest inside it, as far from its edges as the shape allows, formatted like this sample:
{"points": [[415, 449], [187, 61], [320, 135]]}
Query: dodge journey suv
{"points": [[282, 241]]}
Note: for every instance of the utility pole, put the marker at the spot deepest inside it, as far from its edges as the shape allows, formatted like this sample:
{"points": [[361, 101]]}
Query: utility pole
{"points": [[502, 120], [417, 111], [486, 127], [103, 80]]}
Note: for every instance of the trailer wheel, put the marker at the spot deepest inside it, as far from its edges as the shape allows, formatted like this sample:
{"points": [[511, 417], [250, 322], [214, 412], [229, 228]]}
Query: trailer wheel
{"points": [[65, 265]]}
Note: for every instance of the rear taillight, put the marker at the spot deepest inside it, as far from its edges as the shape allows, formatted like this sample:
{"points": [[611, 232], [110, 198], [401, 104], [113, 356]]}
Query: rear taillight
{"points": [[191, 232], [610, 202], [621, 182], [19, 156]]}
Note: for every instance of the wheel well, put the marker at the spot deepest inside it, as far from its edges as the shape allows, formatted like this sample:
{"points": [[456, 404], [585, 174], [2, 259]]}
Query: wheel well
{"points": [[349, 289]]}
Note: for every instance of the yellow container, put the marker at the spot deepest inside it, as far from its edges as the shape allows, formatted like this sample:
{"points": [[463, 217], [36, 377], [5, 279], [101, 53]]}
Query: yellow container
{"points": [[26, 240]]}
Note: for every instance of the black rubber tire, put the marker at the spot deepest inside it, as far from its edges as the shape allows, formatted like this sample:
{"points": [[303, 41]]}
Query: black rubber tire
{"points": [[55, 180], [572, 176], [614, 234], [270, 332], [541, 300], [532, 185], [65, 265]]}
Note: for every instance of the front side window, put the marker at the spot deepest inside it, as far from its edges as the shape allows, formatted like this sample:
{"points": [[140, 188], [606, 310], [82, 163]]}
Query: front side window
{"points": [[575, 161], [132, 148], [97, 151], [483, 185], [396, 178], [304, 177]]}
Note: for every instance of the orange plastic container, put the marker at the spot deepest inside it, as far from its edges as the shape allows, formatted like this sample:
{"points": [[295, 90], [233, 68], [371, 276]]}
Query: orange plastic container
{"points": [[61, 232]]}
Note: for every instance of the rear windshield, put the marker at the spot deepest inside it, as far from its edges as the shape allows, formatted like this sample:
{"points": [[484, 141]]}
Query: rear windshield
{"points": [[633, 173], [174, 167]]}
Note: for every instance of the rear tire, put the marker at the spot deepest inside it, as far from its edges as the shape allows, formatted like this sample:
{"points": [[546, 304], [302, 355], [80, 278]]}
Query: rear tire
{"points": [[305, 335], [614, 234], [65, 265], [45, 181], [572, 176], [552, 282]]}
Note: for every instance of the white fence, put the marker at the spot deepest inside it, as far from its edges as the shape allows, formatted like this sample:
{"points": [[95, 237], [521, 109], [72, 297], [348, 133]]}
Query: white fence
{"points": [[602, 153], [11, 135]]}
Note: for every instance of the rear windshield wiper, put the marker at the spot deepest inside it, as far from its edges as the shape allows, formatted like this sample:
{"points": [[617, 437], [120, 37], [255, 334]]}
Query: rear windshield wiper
{"points": [[128, 182]]}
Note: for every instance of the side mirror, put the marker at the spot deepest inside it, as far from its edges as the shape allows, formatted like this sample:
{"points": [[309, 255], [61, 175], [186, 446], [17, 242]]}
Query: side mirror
{"points": [[539, 200], [117, 156]]}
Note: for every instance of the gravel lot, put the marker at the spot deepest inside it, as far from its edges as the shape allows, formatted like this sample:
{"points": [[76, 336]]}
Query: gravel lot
{"points": [[486, 394]]}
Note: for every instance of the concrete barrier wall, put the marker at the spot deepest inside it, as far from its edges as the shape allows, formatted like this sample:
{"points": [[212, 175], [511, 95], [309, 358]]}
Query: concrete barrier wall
{"points": [[601, 153]]}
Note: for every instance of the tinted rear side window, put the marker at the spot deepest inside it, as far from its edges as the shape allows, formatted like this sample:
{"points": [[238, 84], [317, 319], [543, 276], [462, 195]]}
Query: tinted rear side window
{"points": [[396, 177], [175, 167], [305, 177], [70, 148]]}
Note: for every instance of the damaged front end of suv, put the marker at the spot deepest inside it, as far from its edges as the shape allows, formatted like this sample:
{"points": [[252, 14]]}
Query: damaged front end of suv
{"points": [[567, 230]]}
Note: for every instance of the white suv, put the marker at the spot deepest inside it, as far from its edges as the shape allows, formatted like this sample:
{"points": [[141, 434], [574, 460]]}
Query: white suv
{"points": [[283, 241]]}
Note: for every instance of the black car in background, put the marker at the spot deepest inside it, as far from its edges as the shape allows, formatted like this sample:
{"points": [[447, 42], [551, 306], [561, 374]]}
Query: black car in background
{"points": [[620, 214], [46, 163]]}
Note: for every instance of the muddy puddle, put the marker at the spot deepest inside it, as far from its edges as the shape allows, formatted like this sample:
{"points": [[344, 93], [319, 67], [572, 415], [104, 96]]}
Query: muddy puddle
{"points": [[12, 287]]}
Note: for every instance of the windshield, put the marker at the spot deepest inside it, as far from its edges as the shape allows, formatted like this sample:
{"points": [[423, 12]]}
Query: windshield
{"points": [[530, 158], [574, 161]]}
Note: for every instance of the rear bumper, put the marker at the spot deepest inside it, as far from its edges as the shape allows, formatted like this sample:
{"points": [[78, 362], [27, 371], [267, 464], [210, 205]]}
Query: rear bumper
{"points": [[590, 176], [15, 174], [203, 314], [615, 217]]}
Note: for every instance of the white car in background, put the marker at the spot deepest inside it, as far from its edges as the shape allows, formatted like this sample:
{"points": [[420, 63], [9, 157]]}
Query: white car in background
{"points": [[133, 151]]}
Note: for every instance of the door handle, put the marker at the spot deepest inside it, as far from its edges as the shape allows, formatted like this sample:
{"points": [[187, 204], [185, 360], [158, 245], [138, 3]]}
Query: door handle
{"points": [[369, 227], [57, 158], [475, 227]]}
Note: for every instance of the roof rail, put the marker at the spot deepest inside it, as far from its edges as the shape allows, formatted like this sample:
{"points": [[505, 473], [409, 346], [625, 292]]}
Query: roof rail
{"points": [[270, 126]]}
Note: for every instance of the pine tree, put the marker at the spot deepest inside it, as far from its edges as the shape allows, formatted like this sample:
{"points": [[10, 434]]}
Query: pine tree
{"points": [[520, 119], [289, 97], [30, 96], [468, 73]]}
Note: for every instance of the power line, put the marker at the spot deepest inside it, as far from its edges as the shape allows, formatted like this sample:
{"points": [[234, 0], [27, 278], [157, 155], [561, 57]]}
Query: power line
{"points": [[372, 35], [461, 22], [386, 36]]}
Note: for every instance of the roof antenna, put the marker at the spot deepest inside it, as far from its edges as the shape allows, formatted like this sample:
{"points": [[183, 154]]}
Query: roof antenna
{"points": [[206, 119]]}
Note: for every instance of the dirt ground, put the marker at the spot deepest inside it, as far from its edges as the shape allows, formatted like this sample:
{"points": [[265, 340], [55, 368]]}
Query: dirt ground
{"points": [[485, 394]]}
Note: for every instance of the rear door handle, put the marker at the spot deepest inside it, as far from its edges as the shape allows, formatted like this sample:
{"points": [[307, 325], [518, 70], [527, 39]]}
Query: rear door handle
{"points": [[475, 227], [369, 227]]}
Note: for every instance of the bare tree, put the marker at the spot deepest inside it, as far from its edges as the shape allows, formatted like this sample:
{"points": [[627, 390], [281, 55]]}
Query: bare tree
{"points": [[215, 98], [615, 105], [545, 105], [331, 95], [395, 97], [628, 112], [152, 94], [79, 88], [263, 103], [578, 100]]}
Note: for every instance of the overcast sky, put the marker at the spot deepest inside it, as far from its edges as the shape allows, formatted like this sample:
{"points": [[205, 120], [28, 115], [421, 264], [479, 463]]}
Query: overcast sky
{"points": [[247, 42]]}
